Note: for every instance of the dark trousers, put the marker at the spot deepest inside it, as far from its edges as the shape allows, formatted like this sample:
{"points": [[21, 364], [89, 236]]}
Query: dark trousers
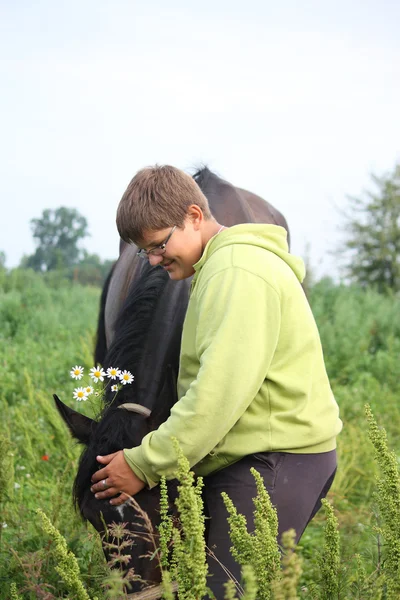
{"points": [[296, 484]]}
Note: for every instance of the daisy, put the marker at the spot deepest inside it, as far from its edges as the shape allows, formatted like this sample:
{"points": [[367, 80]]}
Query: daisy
{"points": [[97, 374], [114, 388], [113, 373], [126, 377], [76, 372], [80, 394], [89, 390]]}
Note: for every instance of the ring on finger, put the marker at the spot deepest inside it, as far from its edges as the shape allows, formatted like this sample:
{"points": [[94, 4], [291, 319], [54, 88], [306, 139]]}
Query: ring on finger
{"points": [[104, 482]]}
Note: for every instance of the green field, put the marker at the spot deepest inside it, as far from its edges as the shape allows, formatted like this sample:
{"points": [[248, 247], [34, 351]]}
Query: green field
{"points": [[46, 328]]}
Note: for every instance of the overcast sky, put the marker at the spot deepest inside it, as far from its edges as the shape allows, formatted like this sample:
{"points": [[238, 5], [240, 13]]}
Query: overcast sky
{"points": [[295, 101]]}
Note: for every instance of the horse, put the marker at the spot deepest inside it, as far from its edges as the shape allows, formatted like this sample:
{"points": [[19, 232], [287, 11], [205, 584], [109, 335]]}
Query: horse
{"points": [[139, 329]]}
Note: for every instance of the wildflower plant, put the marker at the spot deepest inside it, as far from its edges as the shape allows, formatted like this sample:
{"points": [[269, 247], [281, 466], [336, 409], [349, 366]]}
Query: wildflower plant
{"points": [[113, 373], [14, 592], [67, 564], [186, 564], [249, 586], [97, 374], [191, 571], [118, 543], [286, 587], [327, 586], [388, 500], [76, 372], [259, 549], [95, 387], [165, 527]]}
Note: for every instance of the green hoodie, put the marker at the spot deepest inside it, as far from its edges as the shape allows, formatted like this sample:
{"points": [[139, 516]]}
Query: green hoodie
{"points": [[252, 376]]}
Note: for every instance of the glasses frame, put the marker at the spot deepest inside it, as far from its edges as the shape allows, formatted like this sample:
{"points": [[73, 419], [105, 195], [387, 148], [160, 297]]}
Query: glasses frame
{"points": [[158, 250]]}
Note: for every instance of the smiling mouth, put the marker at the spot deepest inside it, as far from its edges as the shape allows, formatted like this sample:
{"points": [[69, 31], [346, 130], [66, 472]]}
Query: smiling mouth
{"points": [[166, 265]]}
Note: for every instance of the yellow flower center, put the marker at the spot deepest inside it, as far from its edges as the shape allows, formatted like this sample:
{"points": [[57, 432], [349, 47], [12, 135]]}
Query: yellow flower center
{"points": [[113, 372], [80, 394], [97, 373], [77, 372], [126, 377]]}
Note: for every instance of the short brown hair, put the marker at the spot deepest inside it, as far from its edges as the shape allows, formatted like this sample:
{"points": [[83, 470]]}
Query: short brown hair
{"points": [[157, 197]]}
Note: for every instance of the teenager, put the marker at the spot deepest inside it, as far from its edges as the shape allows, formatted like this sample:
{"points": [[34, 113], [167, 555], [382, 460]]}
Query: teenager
{"points": [[253, 389]]}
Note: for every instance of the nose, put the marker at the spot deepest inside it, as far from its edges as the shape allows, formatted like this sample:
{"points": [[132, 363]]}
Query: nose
{"points": [[154, 259]]}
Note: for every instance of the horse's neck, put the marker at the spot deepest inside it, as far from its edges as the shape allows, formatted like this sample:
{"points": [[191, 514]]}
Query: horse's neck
{"points": [[226, 203], [127, 269], [160, 356], [263, 211]]}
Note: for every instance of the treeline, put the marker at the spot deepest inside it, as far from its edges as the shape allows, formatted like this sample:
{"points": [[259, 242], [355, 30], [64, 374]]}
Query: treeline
{"points": [[368, 253], [59, 256]]}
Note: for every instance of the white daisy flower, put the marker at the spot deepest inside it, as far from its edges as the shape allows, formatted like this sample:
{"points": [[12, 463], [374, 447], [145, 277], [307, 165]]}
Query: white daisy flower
{"points": [[113, 373], [80, 394], [28, 475], [97, 374], [77, 372], [89, 390], [4, 525], [16, 486], [114, 388], [126, 377]]}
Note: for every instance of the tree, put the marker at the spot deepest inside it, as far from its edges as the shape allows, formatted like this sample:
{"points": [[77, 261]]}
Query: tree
{"points": [[372, 247], [57, 234], [91, 269]]}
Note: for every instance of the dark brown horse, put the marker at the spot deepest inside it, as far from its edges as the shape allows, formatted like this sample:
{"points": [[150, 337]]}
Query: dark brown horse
{"points": [[139, 329]]}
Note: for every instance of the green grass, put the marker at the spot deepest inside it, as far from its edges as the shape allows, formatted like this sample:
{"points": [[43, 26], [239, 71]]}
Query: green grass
{"points": [[44, 332], [47, 329]]}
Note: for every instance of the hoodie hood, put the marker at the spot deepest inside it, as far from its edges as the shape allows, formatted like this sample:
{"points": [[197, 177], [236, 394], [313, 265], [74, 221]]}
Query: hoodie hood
{"points": [[270, 237]]}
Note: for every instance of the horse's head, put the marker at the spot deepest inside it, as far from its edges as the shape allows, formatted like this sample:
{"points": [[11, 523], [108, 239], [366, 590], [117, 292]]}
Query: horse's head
{"points": [[118, 428]]}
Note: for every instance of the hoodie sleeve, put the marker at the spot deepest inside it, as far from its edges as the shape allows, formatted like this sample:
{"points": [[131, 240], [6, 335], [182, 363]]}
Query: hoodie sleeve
{"points": [[236, 336]]}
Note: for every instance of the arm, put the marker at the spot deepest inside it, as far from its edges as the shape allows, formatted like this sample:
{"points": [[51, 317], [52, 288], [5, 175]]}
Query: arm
{"points": [[236, 336]]}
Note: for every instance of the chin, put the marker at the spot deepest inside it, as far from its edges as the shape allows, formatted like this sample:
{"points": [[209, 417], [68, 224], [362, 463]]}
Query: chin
{"points": [[179, 274], [176, 276]]}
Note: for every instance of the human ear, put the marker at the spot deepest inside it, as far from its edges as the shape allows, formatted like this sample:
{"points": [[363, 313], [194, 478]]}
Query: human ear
{"points": [[195, 215]]}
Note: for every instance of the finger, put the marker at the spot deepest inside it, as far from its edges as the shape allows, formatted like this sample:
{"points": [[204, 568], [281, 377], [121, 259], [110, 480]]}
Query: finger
{"points": [[108, 493], [99, 475], [104, 460], [100, 487], [120, 499]]}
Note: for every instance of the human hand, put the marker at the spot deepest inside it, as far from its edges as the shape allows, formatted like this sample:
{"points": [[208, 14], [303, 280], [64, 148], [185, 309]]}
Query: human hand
{"points": [[116, 477]]}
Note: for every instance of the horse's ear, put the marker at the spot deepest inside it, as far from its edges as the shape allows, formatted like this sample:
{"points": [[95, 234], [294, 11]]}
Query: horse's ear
{"points": [[80, 426]]}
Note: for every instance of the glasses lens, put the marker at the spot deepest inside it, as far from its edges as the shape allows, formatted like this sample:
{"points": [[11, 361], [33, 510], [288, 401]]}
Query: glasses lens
{"points": [[157, 251]]}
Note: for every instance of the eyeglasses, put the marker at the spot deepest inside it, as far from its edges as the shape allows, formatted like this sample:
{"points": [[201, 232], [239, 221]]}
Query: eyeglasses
{"points": [[158, 250]]}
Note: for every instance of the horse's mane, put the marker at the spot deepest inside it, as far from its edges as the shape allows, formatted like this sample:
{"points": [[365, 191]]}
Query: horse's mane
{"points": [[117, 428], [133, 323], [101, 343], [202, 177]]}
